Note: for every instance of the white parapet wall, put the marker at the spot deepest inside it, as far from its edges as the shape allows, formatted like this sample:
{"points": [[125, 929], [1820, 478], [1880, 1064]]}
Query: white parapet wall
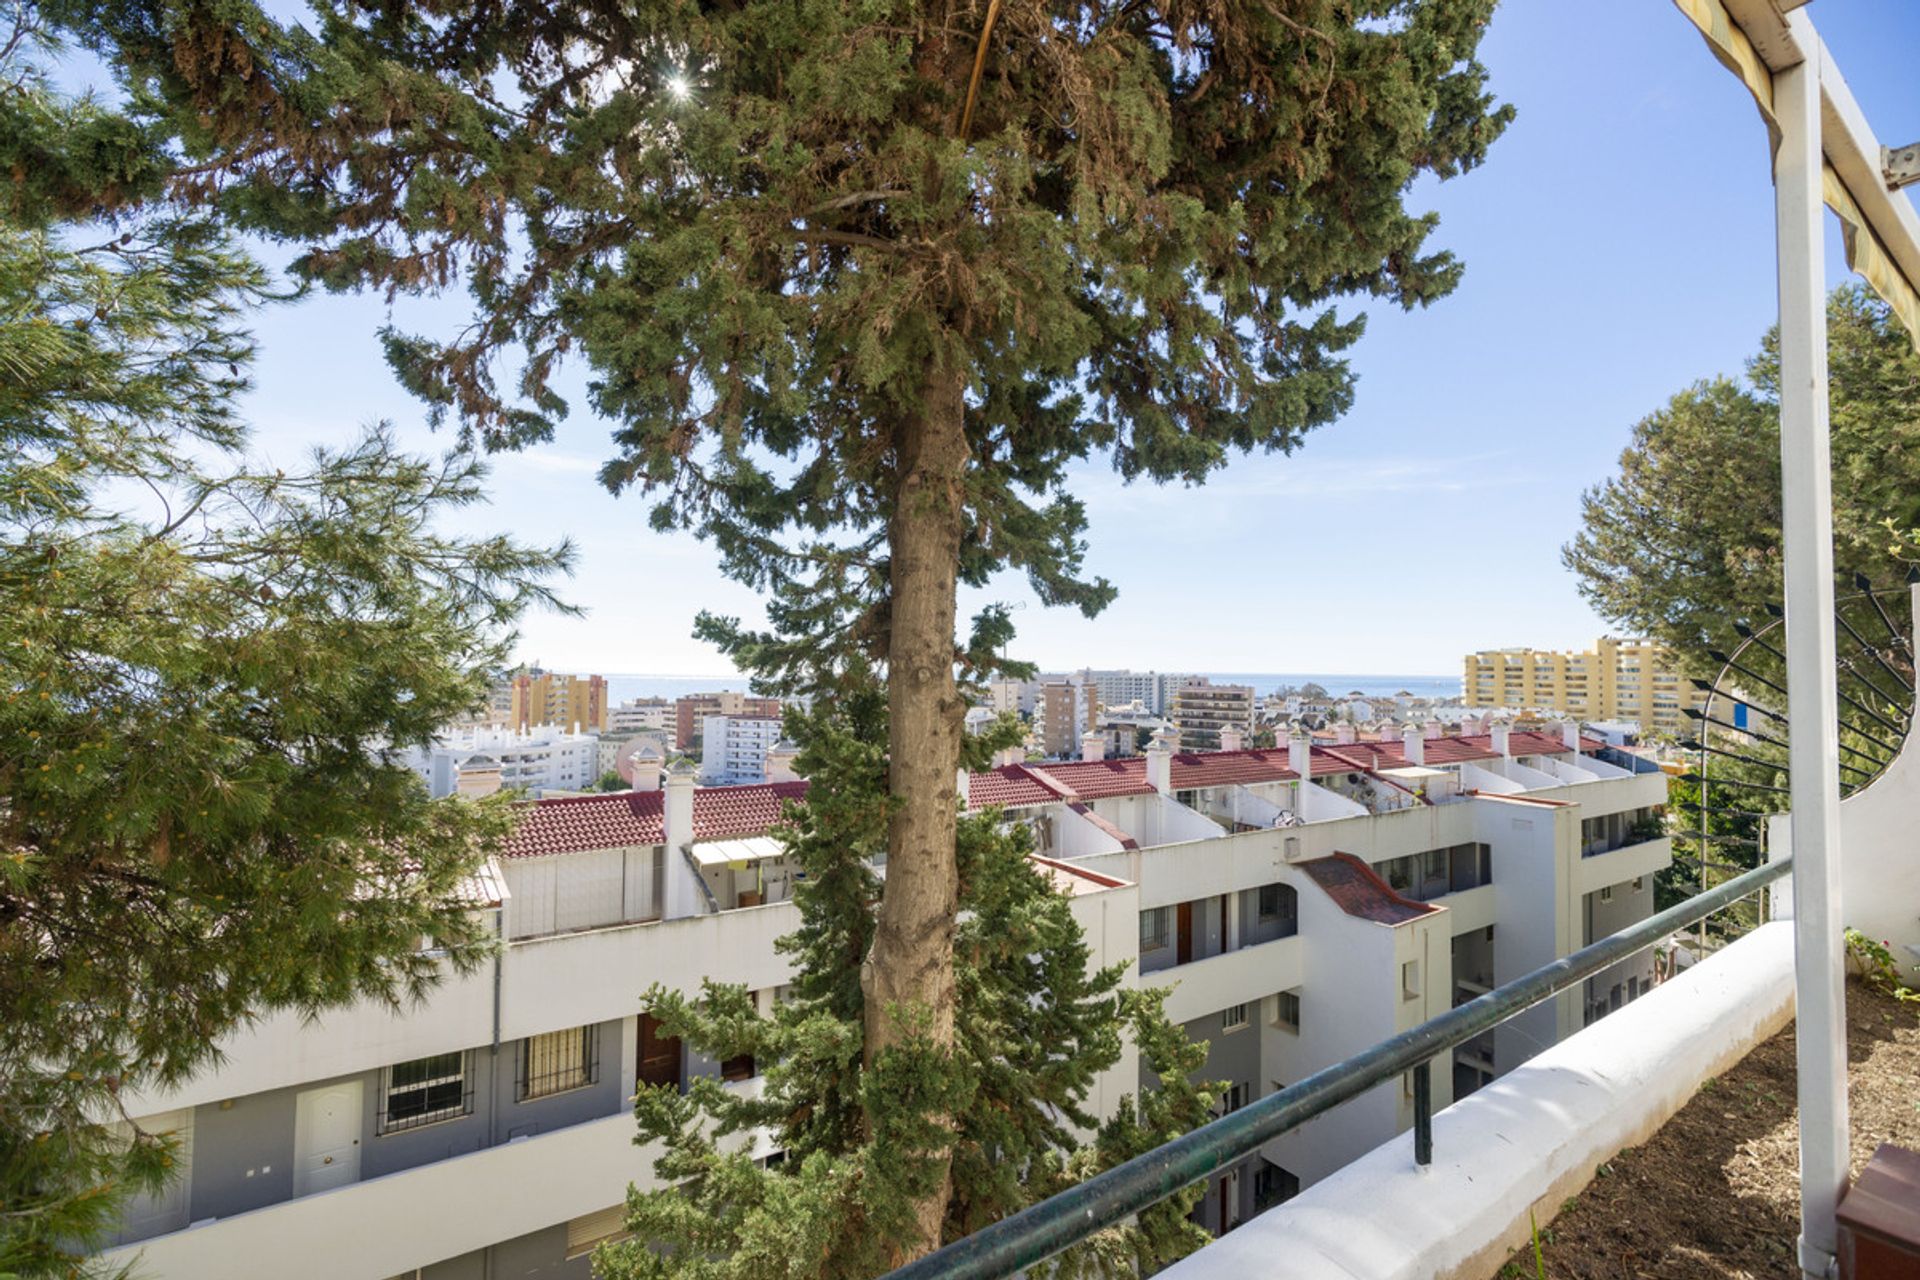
{"points": [[1522, 1145]]}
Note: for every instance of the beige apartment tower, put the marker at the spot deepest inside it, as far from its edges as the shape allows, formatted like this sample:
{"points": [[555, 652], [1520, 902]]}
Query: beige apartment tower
{"points": [[576, 703], [1617, 679]]}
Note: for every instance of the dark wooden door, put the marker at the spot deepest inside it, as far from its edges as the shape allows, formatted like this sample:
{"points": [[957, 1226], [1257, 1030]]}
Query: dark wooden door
{"points": [[1184, 943], [659, 1055]]}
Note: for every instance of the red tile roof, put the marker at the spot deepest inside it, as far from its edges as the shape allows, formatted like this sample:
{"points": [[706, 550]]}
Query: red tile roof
{"points": [[1358, 890], [739, 811], [573, 824], [1010, 786], [1098, 779], [1193, 770]]}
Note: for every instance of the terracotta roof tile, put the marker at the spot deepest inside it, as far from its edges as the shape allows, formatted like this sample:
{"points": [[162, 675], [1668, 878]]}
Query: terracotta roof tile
{"points": [[1010, 786], [1098, 779], [1193, 770], [739, 811], [1358, 890], [577, 823]]}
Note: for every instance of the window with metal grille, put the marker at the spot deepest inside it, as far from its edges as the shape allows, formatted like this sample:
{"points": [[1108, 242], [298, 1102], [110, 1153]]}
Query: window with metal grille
{"points": [[1155, 928], [558, 1061], [1234, 1018], [425, 1091]]}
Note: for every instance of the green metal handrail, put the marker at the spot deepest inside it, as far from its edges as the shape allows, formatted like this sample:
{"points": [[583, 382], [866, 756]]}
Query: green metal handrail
{"points": [[1042, 1230]]}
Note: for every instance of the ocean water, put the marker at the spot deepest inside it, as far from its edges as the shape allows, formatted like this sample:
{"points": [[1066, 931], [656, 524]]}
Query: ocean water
{"points": [[625, 686]]}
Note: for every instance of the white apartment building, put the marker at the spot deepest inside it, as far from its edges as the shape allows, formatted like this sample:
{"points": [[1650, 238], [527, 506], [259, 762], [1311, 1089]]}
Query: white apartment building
{"points": [[1299, 904], [546, 758], [1152, 689], [641, 715], [733, 749]]}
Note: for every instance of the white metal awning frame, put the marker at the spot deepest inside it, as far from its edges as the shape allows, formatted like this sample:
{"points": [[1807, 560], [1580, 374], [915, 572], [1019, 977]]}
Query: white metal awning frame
{"points": [[1818, 127]]}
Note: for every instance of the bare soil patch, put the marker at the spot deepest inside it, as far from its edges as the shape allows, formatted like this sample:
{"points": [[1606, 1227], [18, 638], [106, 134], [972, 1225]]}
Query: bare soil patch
{"points": [[1715, 1194]]}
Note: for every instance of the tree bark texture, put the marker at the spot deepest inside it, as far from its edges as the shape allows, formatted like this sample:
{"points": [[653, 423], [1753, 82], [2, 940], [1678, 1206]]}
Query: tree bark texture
{"points": [[909, 972]]}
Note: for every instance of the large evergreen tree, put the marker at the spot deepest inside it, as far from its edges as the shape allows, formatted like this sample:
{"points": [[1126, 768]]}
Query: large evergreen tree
{"points": [[203, 668], [859, 282], [1684, 542], [861, 1146]]}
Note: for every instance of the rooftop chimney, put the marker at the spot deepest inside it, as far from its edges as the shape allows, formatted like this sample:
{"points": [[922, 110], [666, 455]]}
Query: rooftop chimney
{"points": [[643, 767], [1431, 729], [1343, 732], [1160, 763], [1093, 747], [1416, 744], [1231, 738], [1570, 734], [1385, 729], [1300, 753], [684, 896], [1501, 742], [780, 762]]}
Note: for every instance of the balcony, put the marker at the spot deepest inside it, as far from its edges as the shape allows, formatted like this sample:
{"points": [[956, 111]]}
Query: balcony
{"points": [[395, 1224], [1234, 977]]}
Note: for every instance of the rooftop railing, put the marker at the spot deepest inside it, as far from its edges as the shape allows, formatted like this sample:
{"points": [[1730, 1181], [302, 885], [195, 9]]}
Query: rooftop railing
{"points": [[1042, 1230]]}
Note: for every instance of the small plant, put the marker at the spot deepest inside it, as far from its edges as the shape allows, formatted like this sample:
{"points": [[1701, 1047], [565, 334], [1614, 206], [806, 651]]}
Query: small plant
{"points": [[1878, 969], [1539, 1259]]}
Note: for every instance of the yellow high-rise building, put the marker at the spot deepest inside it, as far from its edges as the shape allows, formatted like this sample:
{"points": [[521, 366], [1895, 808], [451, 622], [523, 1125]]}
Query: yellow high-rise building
{"points": [[1617, 679], [549, 697]]}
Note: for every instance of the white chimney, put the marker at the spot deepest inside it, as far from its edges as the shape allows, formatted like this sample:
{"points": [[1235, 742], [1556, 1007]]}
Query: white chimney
{"points": [[684, 896], [1431, 729], [1343, 732], [1231, 739], [1300, 754], [1570, 734], [1093, 747], [779, 767], [1386, 730], [1416, 745], [1501, 742], [1160, 763], [643, 765]]}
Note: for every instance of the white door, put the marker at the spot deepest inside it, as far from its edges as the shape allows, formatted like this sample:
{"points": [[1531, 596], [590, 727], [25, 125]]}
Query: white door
{"points": [[326, 1137], [150, 1214]]}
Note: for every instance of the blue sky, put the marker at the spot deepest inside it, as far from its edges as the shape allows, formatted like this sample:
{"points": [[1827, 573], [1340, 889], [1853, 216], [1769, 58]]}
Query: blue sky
{"points": [[1618, 246]]}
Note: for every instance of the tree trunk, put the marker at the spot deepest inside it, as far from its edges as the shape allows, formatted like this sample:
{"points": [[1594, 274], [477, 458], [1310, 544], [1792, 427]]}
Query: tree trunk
{"points": [[909, 975]]}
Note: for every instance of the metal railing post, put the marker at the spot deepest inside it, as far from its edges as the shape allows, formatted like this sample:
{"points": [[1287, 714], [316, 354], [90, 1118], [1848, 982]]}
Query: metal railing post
{"points": [[1813, 711], [1423, 1114]]}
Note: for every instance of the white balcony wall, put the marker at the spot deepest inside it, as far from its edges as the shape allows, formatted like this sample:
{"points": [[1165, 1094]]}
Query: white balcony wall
{"points": [[1524, 1144], [1601, 769], [1474, 778], [1246, 976], [1154, 819], [588, 890], [1622, 864], [547, 984], [1565, 770], [1530, 778], [1323, 805], [1244, 806], [394, 1224], [1073, 836]]}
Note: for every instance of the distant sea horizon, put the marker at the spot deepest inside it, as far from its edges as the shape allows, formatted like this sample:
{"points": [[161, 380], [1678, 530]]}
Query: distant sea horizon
{"points": [[624, 686]]}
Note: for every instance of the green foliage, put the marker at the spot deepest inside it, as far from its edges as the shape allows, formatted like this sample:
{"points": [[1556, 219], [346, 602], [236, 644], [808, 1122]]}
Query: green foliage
{"points": [[1878, 968], [611, 781], [1685, 540], [1036, 1028], [763, 225], [204, 670]]}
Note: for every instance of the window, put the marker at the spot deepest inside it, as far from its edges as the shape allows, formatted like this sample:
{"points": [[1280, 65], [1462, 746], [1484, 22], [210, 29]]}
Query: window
{"points": [[1410, 980], [1233, 1099], [424, 1091], [737, 1068], [1639, 883], [1234, 1019], [1286, 1010], [1155, 928], [557, 1061], [1606, 894], [1269, 901]]}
